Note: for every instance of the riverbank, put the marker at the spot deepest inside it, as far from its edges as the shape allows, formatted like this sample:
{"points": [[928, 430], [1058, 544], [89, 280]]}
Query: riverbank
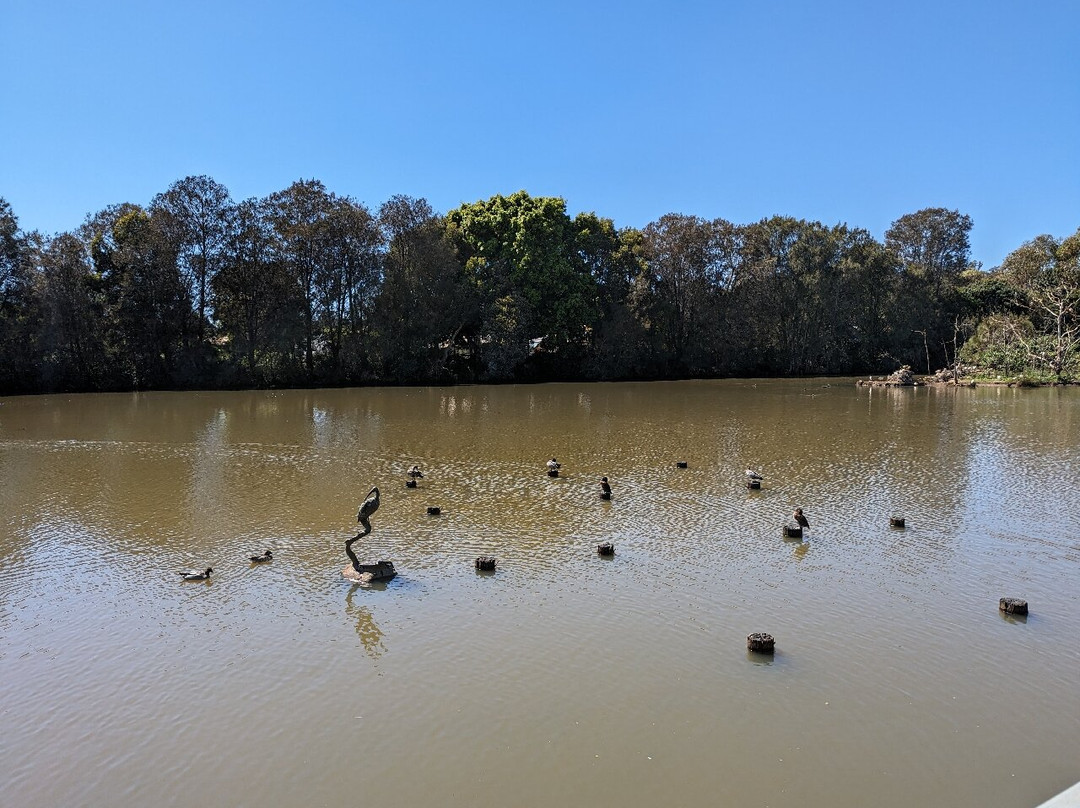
{"points": [[963, 376]]}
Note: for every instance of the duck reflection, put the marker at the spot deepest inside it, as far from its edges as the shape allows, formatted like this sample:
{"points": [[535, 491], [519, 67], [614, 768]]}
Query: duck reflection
{"points": [[371, 636]]}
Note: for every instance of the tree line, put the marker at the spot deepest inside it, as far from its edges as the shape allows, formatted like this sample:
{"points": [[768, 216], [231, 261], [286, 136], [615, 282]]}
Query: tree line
{"points": [[305, 287]]}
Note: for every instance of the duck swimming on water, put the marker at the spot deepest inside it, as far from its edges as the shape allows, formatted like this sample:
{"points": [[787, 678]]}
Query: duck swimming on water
{"points": [[195, 575], [267, 556]]}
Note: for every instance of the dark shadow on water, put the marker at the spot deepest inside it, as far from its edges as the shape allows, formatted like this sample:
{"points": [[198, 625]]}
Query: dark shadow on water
{"points": [[763, 660], [1016, 619]]}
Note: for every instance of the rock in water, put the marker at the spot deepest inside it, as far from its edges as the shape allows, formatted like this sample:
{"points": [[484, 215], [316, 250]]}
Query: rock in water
{"points": [[379, 571]]}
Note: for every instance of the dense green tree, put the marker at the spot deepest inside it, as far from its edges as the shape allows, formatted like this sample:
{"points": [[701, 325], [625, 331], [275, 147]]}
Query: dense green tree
{"points": [[425, 305], [347, 282], [73, 354], [308, 222], [932, 244], [19, 307], [620, 345], [682, 254], [194, 215], [252, 293], [1046, 271], [147, 305], [863, 304], [780, 256], [519, 253], [932, 247], [307, 287]]}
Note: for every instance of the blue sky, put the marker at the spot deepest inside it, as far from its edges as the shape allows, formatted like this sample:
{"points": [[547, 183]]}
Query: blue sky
{"points": [[836, 110]]}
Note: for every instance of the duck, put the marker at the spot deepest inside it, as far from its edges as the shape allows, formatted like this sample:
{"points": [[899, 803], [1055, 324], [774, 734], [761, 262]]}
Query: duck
{"points": [[195, 575], [605, 488], [267, 556]]}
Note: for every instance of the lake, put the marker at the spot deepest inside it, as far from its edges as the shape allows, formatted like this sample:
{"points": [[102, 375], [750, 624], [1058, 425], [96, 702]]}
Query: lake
{"points": [[563, 678]]}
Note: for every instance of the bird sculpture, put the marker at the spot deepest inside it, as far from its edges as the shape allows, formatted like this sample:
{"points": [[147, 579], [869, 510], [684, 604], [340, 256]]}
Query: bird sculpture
{"points": [[753, 475], [368, 507], [267, 556], [800, 519], [195, 575]]}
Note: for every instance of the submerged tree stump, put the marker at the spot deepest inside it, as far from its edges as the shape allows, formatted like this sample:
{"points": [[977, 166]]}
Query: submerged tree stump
{"points": [[434, 510], [606, 549], [410, 483], [753, 485], [896, 521], [761, 643], [605, 495], [553, 473], [680, 464], [792, 532], [1013, 606], [486, 563]]}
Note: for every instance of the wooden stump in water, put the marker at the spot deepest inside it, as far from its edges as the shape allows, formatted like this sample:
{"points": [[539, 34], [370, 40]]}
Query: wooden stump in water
{"points": [[896, 521], [486, 563], [606, 549], [753, 485], [605, 495], [761, 643], [1013, 606], [680, 464], [553, 473], [434, 510], [410, 483], [792, 532]]}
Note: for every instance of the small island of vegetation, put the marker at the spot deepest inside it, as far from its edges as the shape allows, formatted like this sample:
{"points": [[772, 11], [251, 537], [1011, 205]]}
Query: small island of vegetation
{"points": [[306, 287]]}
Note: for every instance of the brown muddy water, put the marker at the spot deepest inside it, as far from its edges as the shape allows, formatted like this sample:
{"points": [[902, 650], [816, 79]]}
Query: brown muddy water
{"points": [[564, 678]]}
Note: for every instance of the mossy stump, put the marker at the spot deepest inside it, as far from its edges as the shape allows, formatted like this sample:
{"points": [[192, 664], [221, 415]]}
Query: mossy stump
{"points": [[1013, 606], [761, 643], [486, 563], [605, 549]]}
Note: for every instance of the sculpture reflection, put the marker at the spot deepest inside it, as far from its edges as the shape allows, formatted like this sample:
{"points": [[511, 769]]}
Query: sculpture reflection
{"points": [[370, 635]]}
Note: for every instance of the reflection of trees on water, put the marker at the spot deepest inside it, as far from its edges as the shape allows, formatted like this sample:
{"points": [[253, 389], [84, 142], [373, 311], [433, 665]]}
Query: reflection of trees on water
{"points": [[371, 636]]}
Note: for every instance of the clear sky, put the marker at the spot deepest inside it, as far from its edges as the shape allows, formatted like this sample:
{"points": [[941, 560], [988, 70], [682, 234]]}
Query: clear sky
{"points": [[837, 110]]}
